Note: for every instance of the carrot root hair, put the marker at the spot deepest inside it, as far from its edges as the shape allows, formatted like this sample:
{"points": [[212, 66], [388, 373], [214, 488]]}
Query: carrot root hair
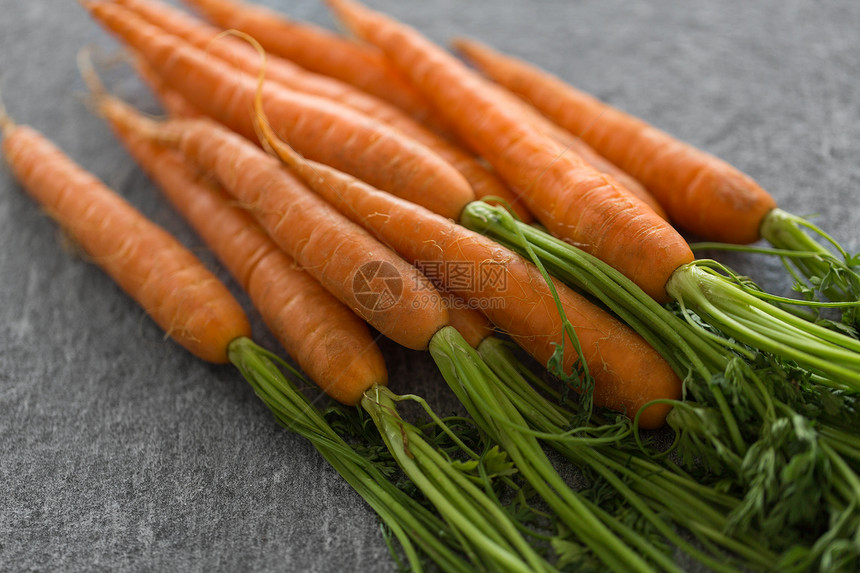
{"points": [[89, 74], [6, 123], [103, 104]]}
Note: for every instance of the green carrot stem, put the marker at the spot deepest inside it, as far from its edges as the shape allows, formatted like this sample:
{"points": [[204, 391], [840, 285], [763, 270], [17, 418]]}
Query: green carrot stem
{"points": [[845, 444], [675, 341], [759, 324], [592, 461], [408, 520], [723, 287], [660, 482], [437, 421], [464, 506], [787, 231], [474, 383]]}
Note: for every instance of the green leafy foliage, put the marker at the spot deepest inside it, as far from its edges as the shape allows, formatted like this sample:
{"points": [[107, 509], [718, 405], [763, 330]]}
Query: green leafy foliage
{"points": [[492, 464]]}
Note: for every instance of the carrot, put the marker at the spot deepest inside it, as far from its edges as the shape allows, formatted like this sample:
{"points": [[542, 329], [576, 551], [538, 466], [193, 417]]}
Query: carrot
{"points": [[569, 197], [174, 288], [320, 51], [701, 193], [240, 54], [324, 130], [627, 372], [329, 342]]}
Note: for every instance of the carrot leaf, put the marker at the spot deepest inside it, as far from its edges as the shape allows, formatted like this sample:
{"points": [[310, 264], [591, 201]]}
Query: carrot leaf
{"points": [[716, 295], [829, 270]]}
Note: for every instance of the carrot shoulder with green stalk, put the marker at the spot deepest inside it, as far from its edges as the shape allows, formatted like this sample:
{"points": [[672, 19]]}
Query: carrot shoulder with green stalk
{"points": [[584, 208], [702, 193]]}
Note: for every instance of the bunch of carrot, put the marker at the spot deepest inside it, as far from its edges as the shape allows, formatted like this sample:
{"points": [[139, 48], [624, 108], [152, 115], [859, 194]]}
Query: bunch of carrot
{"points": [[378, 154], [462, 96], [249, 254], [227, 149]]}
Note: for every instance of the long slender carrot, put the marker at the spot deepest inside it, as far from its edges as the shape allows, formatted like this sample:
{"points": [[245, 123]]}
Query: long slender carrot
{"points": [[701, 193], [569, 197], [244, 57], [331, 344], [322, 129], [174, 288], [320, 51], [511, 292]]}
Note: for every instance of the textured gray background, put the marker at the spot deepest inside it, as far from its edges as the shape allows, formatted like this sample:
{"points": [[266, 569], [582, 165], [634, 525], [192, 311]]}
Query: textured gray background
{"points": [[120, 451]]}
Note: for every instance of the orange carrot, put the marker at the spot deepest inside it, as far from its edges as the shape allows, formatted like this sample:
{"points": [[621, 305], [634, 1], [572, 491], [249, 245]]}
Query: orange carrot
{"points": [[174, 288], [569, 197], [244, 57], [320, 51], [627, 371], [329, 342], [322, 129], [701, 193]]}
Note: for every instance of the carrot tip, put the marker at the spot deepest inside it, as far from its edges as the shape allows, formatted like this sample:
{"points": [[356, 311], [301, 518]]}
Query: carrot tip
{"points": [[339, 8], [458, 43], [6, 123]]}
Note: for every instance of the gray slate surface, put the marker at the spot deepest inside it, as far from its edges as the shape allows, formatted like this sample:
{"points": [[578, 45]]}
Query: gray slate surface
{"points": [[120, 451]]}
